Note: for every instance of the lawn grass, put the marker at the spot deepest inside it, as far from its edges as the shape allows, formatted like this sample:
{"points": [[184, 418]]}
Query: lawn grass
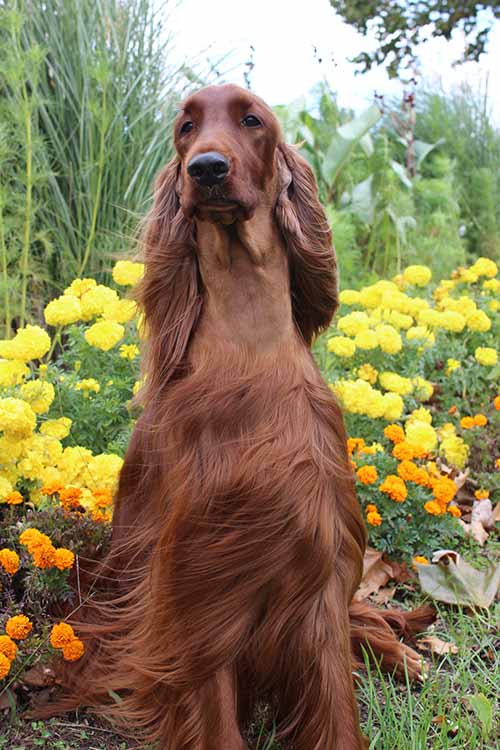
{"points": [[396, 714]]}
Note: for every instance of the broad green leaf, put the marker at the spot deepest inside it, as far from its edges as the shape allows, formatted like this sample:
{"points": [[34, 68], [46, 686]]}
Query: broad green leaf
{"points": [[345, 139], [459, 583], [484, 711], [360, 200], [422, 149], [401, 173]]}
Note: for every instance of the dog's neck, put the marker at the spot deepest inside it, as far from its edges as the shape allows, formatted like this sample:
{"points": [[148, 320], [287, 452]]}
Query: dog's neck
{"points": [[245, 276]]}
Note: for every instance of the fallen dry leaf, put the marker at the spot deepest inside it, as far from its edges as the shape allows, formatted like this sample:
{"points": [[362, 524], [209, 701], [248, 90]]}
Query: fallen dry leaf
{"points": [[384, 595], [476, 530], [482, 511], [376, 573], [436, 645], [496, 513], [38, 676]]}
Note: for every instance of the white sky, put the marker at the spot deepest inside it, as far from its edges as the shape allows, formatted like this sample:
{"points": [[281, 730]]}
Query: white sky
{"points": [[284, 33]]}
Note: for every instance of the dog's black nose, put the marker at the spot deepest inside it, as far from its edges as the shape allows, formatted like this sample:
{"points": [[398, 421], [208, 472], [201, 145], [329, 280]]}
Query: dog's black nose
{"points": [[208, 169]]}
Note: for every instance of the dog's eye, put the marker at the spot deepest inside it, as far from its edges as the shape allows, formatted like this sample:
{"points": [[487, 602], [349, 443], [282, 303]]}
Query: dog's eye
{"points": [[250, 121], [186, 127]]}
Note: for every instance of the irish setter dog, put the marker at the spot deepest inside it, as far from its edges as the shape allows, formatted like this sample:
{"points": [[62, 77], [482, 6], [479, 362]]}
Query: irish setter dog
{"points": [[237, 537]]}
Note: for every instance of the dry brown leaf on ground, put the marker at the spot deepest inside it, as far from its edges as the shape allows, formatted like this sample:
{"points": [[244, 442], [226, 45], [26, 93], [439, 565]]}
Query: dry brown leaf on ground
{"points": [[496, 513], [476, 530], [39, 676], [376, 573], [436, 645], [384, 595]]}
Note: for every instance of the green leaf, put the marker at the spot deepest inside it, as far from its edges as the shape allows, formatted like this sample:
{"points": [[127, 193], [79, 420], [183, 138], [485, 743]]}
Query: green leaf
{"points": [[484, 711], [459, 583], [423, 149], [344, 141]]}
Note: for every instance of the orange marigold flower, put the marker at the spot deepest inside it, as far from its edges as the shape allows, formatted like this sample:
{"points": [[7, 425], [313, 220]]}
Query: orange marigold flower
{"points": [[481, 494], [354, 444], [420, 560], [496, 403], [32, 539], [367, 474], [7, 647], [4, 666], [44, 556], [403, 451], [444, 490], [374, 518], [370, 507], [9, 560], [394, 487], [99, 517], [433, 508], [14, 498], [407, 470], [61, 634], [63, 558], [18, 627], [103, 498], [51, 489], [69, 497], [454, 510], [497, 463], [480, 420], [467, 423], [73, 650], [452, 409], [394, 433]]}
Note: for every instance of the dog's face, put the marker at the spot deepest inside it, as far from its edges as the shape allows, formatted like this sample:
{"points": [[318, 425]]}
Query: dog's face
{"points": [[226, 140]]}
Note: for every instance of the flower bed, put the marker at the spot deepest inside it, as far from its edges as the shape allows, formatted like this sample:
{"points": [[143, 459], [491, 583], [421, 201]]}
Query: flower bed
{"points": [[413, 364]]}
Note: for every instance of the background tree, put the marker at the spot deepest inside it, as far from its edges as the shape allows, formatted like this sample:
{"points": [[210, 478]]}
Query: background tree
{"points": [[400, 26]]}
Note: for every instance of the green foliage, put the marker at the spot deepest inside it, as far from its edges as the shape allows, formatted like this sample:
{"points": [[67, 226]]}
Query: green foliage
{"points": [[400, 26]]}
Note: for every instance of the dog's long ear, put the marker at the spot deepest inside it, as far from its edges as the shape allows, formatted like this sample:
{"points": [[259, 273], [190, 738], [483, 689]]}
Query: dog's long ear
{"points": [[168, 293], [313, 268]]}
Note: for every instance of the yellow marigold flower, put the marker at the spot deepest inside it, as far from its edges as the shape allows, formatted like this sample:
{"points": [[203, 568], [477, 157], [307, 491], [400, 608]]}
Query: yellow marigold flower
{"points": [[121, 310], [393, 406], [454, 511], [64, 558], [421, 414], [103, 471], [433, 508], [455, 451], [492, 285], [391, 381], [7, 647], [403, 451], [417, 275], [467, 423], [423, 389], [87, 385], [30, 342], [417, 333], [374, 518], [486, 356], [421, 434], [18, 627], [14, 498], [494, 305], [480, 420], [137, 386], [127, 273], [61, 634], [44, 556], [63, 311], [73, 650], [367, 474], [341, 346], [389, 339], [394, 433], [353, 323], [496, 403], [444, 490], [4, 666], [95, 300], [79, 287], [481, 494], [368, 372], [452, 321], [131, 351], [56, 428], [478, 321], [9, 560], [451, 365], [17, 418], [12, 372], [104, 335], [394, 487], [349, 297], [485, 267], [366, 339], [420, 560], [70, 497], [39, 394]]}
